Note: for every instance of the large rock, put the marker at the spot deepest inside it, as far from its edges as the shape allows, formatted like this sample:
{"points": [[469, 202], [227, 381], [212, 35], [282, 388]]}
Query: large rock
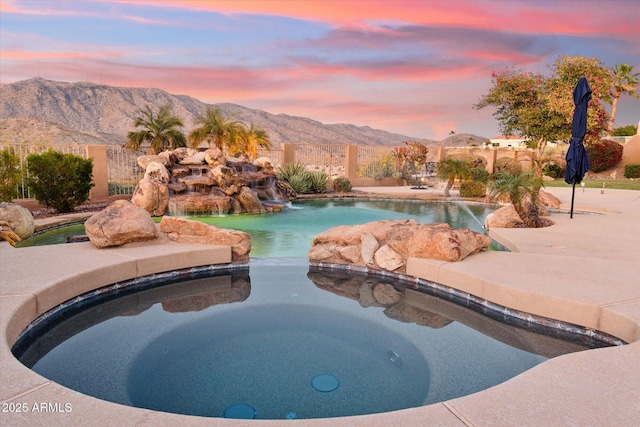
{"points": [[120, 223], [18, 219], [198, 204], [548, 200], [152, 196], [388, 244], [505, 217], [250, 201], [158, 172], [187, 231]]}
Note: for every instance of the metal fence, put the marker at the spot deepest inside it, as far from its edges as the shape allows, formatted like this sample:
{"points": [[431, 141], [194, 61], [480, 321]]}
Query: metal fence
{"points": [[123, 172], [375, 162], [327, 158]]}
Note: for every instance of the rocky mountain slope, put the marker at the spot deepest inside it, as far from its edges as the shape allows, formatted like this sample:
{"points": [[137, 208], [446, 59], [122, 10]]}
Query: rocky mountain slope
{"points": [[38, 110]]}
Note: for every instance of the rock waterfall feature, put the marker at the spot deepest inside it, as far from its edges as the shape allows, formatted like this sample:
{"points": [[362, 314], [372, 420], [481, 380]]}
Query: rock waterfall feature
{"points": [[187, 182]]}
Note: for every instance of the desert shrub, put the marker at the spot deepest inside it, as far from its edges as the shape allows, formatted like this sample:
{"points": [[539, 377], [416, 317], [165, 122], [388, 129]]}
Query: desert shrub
{"points": [[603, 155], [9, 175], [342, 185], [473, 189], [632, 170], [552, 170], [290, 169], [59, 181], [301, 182], [318, 181], [507, 165], [479, 175]]}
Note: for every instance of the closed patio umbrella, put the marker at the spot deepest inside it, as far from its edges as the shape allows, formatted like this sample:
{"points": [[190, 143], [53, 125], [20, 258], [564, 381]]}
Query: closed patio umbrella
{"points": [[577, 161]]}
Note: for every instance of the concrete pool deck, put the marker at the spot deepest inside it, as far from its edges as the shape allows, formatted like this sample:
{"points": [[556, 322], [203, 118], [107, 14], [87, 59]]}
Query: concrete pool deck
{"points": [[584, 270]]}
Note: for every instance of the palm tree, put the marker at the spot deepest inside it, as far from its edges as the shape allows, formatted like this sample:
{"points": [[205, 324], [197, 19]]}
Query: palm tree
{"points": [[160, 130], [519, 188], [251, 140], [623, 83], [216, 129], [452, 169]]}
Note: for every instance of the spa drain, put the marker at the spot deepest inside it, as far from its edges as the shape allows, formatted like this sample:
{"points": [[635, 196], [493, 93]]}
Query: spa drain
{"points": [[240, 411], [325, 383]]}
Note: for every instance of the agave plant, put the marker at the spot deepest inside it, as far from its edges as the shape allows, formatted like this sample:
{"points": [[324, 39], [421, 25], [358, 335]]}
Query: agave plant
{"points": [[301, 183], [319, 181], [288, 170]]}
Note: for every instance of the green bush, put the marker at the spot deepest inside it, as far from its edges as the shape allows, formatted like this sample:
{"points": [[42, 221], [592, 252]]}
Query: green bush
{"points": [[342, 185], [59, 181], [288, 170], [480, 175], [301, 183], [632, 170], [552, 170], [603, 155], [473, 189], [9, 175], [319, 181]]}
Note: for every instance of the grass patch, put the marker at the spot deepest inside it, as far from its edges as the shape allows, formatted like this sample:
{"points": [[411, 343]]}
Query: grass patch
{"points": [[613, 184]]}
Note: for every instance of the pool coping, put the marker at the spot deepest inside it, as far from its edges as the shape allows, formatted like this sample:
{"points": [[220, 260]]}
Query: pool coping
{"points": [[594, 387]]}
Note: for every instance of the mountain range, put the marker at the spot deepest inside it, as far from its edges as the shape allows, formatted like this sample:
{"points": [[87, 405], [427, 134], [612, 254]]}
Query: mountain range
{"points": [[45, 111]]}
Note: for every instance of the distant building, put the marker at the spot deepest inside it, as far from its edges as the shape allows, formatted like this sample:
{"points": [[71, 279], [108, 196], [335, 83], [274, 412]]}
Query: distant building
{"points": [[507, 141]]}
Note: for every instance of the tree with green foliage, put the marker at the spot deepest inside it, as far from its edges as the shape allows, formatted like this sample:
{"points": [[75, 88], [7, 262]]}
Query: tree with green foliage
{"points": [[251, 139], [59, 181], [624, 83], [452, 169], [628, 130], [10, 174], [218, 130], [540, 108], [520, 189], [160, 130]]}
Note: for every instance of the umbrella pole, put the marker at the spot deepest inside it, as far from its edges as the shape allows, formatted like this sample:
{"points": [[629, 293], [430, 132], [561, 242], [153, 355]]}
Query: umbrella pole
{"points": [[573, 195]]}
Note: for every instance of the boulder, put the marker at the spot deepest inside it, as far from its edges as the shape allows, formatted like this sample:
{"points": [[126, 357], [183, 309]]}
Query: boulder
{"points": [[157, 171], [548, 200], [194, 204], [214, 157], [264, 165], [505, 217], [187, 231], [195, 159], [152, 196], [17, 218], [388, 244], [250, 201], [120, 223], [145, 161]]}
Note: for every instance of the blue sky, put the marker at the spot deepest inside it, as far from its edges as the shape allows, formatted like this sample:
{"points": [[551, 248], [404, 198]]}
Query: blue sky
{"points": [[410, 67]]}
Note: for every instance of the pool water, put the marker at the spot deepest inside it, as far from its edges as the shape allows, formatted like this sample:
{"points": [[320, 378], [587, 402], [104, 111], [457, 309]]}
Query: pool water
{"points": [[289, 233], [285, 341]]}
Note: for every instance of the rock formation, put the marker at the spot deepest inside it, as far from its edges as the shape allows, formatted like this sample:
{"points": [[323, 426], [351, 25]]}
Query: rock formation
{"points": [[186, 231], [185, 181], [16, 222], [120, 223], [387, 244]]}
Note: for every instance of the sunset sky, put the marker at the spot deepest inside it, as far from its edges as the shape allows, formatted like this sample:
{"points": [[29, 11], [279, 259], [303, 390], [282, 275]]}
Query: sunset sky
{"points": [[409, 67]]}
